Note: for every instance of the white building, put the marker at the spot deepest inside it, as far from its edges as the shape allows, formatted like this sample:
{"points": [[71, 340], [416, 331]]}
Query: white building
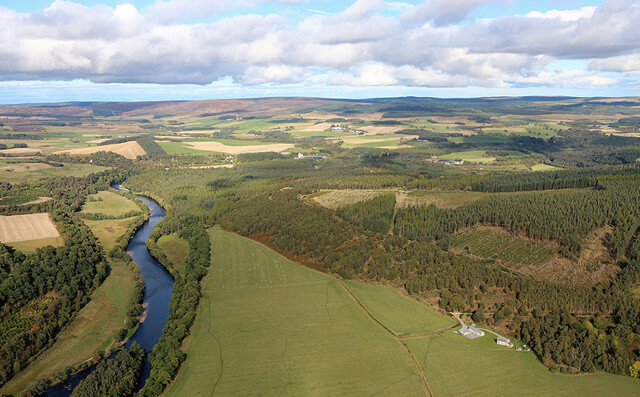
{"points": [[502, 341], [471, 332]]}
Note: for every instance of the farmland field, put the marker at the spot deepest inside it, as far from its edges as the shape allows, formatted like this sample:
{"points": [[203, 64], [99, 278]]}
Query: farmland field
{"points": [[129, 149], [494, 244], [93, 329], [32, 245], [247, 147], [456, 366], [27, 227], [268, 326], [109, 203], [50, 172], [175, 248], [477, 156], [402, 315]]}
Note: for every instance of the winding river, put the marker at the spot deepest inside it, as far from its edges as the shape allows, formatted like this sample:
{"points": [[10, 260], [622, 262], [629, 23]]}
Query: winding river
{"points": [[158, 288]]}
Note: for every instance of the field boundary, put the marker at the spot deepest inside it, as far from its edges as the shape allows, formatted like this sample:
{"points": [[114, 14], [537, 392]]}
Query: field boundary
{"points": [[420, 371]]}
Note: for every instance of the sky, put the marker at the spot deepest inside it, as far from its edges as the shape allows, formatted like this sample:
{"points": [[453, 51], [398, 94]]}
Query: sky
{"points": [[109, 50]]}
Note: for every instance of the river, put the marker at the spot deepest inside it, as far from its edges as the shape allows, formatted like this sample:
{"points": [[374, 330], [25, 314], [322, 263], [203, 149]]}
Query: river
{"points": [[158, 288]]}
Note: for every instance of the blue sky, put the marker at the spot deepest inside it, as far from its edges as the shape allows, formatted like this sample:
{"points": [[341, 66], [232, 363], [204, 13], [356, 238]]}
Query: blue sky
{"points": [[201, 49]]}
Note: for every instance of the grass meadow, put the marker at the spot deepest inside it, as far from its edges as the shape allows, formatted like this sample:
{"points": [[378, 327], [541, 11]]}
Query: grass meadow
{"points": [[93, 329], [109, 203], [456, 366], [268, 326], [402, 315]]}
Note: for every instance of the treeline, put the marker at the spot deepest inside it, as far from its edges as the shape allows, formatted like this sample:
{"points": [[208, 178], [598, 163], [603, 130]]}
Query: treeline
{"points": [[167, 356], [566, 179], [115, 377]]}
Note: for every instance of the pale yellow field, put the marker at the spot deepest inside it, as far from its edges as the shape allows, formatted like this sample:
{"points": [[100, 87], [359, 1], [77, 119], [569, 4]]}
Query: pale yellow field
{"points": [[26, 227], [219, 147], [129, 150], [318, 127], [375, 130]]}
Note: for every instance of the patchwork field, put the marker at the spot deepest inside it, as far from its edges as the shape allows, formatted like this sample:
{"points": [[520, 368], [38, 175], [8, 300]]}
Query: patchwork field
{"points": [[456, 366], [27, 227], [93, 329], [401, 315], [130, 149], [109, 203], [175, 248], [223, 148], [268, 326]]}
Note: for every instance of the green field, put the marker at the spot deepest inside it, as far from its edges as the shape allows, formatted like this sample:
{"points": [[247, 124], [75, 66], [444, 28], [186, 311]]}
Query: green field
{"points": [[478, 156], [544, 167], [175, 248], [93, 329], [179, 148], [52, 172], [109, 203], [456, 366], [440, 198], [401, 315], [270, 327], [500, 245], [32, 245]]}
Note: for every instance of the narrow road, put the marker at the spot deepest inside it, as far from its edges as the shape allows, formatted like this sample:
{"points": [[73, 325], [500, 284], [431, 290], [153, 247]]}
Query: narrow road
{"points": [[414, 361]]}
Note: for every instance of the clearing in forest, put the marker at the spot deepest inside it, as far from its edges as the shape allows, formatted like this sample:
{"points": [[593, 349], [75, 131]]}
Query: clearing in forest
{"points": [[175, 248], [130, 149], [474, 156], [108, 231], [268, 326], [457, 366], [338, 198], [494, 244], [26, 227], [92, 330]]}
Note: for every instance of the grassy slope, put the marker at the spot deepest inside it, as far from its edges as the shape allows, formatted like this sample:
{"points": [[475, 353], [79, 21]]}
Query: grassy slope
{"points": [[112, 204], [471, 155], [401, 315], [175, 248], [92, 330], [268, 326], [456, 366]]}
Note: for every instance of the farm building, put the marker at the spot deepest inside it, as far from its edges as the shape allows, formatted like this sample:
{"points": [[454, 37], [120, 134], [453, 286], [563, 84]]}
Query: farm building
{"points": [[471, 332], [502, 341]]}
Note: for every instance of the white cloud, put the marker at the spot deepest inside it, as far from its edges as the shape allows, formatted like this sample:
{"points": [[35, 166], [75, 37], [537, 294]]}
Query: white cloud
{"points": [[425, 46]]}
